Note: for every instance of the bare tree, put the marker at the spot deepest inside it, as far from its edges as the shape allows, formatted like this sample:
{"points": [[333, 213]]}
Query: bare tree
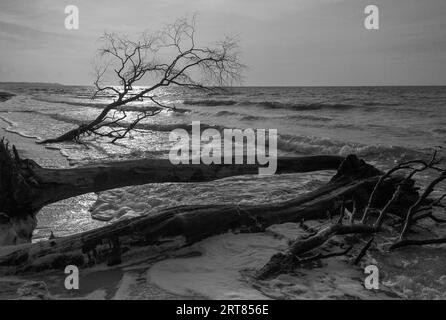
{"points": [[166, 58]]}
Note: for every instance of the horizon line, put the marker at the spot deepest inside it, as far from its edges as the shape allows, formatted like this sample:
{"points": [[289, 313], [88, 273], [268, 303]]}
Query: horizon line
{"points": [[245, 86]]}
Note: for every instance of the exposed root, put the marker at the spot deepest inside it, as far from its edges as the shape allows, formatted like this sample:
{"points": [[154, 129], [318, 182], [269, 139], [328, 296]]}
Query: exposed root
{"points": [[403, 203]]}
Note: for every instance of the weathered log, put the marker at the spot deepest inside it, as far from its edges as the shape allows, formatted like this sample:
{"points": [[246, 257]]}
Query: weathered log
{"points": [[397, 196], [25, 187], [194, 223], [281, 262]]}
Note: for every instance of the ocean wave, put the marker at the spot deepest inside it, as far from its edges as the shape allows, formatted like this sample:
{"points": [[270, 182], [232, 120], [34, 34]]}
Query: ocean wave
{"points": [[440, 131], [287, 117], [226, 113], [225, 92], [14, 128], [289, 143], [99, 105], [319, 145], [381, 104], [210, 102], [173, 126], [160, 127], [308, 117], [73, 103], [303, 106], [271, 104], [253, 118], [225, 102]]}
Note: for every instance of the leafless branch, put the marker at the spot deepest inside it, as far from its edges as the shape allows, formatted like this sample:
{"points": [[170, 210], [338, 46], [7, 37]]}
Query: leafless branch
{"points": [[402, 194], [154, 60]]}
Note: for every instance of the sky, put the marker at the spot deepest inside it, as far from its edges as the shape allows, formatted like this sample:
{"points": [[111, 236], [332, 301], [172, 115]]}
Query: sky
{"points": [[283, 42]]}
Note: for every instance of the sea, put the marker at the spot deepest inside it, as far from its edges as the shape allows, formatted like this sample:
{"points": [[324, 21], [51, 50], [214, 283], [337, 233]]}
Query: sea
{"points": [[382, 125]]}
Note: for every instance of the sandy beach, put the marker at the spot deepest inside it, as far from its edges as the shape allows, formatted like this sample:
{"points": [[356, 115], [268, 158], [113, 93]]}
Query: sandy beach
{"points": [[100, 284], [221, 266], [138, 278]]}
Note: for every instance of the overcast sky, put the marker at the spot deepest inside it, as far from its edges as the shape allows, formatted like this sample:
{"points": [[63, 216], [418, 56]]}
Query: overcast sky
{"points": [[284, 42]]}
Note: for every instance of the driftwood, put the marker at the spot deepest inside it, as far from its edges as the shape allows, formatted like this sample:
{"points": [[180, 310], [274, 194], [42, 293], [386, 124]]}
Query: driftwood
{"points": [[356, 186], [354, 179], [404, 202], [25, 187]]}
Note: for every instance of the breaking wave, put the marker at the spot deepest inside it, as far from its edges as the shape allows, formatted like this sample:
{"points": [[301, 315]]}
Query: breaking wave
{"points": [[73, 103], [381, 104], [317, 145], [210, 102], [271, 104]]}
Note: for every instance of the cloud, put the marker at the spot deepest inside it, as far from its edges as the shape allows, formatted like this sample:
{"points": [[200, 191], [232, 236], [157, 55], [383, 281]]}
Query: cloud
{"points": [[286, 42]]}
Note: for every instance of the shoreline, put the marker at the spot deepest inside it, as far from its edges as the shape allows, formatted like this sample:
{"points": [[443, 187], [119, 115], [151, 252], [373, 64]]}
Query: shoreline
{"points": [[55, 217], [140, 279], [26, 146], [106, 284]]}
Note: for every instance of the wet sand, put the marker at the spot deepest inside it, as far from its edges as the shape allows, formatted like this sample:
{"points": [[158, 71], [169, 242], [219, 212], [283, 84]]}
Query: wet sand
{"points": [[103, 284], [27, 148]]}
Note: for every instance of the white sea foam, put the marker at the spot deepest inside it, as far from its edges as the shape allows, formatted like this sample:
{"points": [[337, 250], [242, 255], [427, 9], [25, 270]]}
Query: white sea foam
{"points": [[221, 267]]}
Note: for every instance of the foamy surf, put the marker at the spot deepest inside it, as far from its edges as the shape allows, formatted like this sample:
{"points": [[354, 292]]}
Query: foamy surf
{"points": [[382, 131]]}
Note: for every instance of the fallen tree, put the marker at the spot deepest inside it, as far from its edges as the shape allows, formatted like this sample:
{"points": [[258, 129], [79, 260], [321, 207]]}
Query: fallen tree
{"points": [[155, 60], [354, 179], [370, 219], [358, 190], [24, 181], [25, 187]]}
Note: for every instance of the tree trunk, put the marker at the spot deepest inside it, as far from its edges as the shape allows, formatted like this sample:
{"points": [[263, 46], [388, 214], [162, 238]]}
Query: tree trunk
{"points": [[194, 223], [25, 187], [282, 262], [84, 128], [92, 125]]}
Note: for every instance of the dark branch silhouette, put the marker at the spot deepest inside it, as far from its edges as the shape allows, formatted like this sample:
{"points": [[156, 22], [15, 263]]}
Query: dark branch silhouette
{"points": [[404, 203], [154, 60]]}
